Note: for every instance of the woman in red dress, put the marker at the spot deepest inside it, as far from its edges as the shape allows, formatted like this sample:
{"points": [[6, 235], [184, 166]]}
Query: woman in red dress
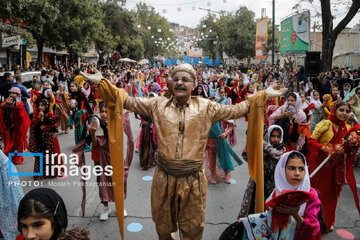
{"points": [[43, 138], [14, 123], [327, 140]]}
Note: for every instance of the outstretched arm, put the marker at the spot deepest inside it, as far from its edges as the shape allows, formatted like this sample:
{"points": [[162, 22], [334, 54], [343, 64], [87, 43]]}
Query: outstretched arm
{"points": [[108, 92], [111, 94], [260, 100]]}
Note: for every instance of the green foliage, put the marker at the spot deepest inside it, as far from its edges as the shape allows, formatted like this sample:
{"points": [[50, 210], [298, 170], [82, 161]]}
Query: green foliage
{"points": [[58, 23], [148, 18], [11, 9], [213, 34], [240, 34]]}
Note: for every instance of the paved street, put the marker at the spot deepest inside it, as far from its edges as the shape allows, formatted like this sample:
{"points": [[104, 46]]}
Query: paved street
{"points": [[223, 201]]}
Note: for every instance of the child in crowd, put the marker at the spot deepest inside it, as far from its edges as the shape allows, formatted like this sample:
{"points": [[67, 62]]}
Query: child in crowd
{"points": [[148, 146], [14, 123], [274, 148], [43, 139], [42, 215], [75, 119], [98, 137], [318, 111], [291, 173], [63, 109]]}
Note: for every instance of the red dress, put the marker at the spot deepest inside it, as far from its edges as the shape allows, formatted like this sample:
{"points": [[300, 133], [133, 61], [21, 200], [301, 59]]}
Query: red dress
{"points": [[42, 140], [233, 93], [331, 177], [13, 129]]}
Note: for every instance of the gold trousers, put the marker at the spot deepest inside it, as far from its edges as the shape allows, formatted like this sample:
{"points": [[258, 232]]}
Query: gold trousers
{"points": [[179, 201]]}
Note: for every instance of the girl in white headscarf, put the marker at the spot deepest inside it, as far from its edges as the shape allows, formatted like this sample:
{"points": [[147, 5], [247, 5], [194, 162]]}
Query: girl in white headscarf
{"points": [[273, 150], [292, 173], [318, 111], [289, 116]]}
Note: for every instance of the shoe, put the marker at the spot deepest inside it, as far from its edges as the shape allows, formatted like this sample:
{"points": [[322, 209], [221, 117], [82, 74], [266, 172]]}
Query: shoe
{"points": [[137, 150], [212, 179], [227, 178], [331, 228], [105, 214], [62, 176], [125, 213]]}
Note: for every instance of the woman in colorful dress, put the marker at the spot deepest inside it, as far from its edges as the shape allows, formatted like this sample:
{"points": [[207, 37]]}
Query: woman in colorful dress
{"points": [[14, 123], [326, 141], [43, 139]]}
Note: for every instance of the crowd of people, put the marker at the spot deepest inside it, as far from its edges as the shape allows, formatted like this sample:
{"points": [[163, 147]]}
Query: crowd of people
{"points": [[315, 121]]}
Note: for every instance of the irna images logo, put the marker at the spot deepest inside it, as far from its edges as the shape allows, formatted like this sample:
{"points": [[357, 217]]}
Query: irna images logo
{"points": [[40, 155], [63, 164]]}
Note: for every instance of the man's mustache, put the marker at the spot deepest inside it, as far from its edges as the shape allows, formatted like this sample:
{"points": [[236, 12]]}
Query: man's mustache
{"points": [[180, 88]]}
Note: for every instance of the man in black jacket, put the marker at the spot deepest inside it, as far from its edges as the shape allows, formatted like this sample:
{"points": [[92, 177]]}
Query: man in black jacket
{"points": [[5, 85]]}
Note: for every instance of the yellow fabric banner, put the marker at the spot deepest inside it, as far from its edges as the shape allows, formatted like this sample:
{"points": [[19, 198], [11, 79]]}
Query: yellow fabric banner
{"points": [[254, 145], [114, 99]]}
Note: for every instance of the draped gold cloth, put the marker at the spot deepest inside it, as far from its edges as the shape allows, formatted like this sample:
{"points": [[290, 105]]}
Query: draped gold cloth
{"points": [[114, 99], [254, 145]]}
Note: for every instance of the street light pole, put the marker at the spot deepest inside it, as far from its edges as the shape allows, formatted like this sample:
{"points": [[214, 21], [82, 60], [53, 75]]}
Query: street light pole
{"points": [[273, 33]]}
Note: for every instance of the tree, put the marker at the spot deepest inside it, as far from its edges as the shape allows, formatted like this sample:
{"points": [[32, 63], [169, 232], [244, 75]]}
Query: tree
{"points": [[76, 26], [155, 42], [212, 33], [39, 16], [57, 23], [240, 34], [329, 33], [10, 10], [120, 25]]}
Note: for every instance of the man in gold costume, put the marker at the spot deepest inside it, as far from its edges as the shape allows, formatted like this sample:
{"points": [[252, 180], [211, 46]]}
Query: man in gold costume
{"points": [[182, 122]]}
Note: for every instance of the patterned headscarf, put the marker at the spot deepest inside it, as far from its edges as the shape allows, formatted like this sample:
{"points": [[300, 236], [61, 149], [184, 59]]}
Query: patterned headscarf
{"points": [[17, 91], [271, 129]]}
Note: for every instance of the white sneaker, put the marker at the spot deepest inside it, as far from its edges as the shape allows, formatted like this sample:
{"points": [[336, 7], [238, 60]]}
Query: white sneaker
{"points": [[105, 214], [125, 213]]}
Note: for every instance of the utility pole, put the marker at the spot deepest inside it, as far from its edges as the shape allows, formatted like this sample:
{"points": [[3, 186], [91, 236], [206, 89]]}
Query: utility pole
{"points": [[273, 33]]}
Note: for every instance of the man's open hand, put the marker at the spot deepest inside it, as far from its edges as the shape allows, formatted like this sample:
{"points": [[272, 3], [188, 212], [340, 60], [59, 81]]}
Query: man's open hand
{"points": [[95, 78], [275, 93]]}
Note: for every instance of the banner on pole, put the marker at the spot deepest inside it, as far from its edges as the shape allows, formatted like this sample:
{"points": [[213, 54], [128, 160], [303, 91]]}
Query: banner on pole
{"points": [[261, 38]]}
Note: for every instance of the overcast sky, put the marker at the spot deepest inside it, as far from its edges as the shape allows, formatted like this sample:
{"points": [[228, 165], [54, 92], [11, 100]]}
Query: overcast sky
{"points": [[191, 18]]}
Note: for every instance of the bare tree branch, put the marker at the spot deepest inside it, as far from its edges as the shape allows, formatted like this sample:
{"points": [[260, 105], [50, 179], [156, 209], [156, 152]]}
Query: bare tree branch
{"points": [[353, 10]]}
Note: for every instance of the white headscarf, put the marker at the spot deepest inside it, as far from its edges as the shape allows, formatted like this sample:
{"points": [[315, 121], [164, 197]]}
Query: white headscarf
{"points": [[281, 182], [271, 128], [317, 103], [298, 101]]}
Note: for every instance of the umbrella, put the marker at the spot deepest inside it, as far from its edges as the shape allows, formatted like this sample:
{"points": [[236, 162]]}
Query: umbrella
{"points": [[144, 61], [127, 60]]}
